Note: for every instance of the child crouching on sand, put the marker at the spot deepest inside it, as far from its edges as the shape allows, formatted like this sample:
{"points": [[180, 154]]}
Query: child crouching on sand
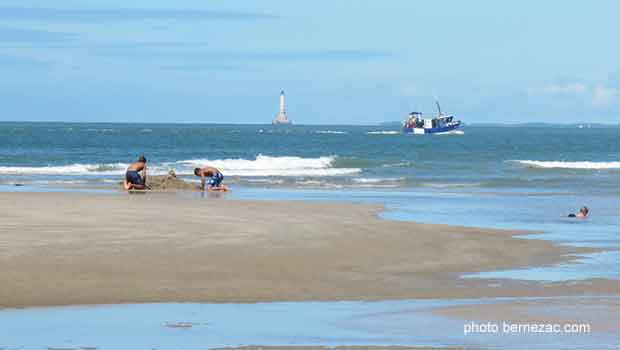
{"points": [[212, 177], [133, 179]]}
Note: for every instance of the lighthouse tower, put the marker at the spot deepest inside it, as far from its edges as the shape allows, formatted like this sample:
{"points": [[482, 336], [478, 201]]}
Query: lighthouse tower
{"points": [[282, 118]]}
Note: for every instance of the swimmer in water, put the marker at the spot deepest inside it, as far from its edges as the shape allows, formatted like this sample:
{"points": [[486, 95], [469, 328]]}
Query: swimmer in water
{"points": [[582, 214]]}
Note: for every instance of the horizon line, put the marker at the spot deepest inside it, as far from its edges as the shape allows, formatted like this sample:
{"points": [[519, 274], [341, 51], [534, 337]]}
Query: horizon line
{"points": [[383, 123]]}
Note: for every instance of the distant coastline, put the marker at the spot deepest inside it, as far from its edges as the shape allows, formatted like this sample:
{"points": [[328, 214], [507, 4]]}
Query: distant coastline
{"points": [[546, 125]]}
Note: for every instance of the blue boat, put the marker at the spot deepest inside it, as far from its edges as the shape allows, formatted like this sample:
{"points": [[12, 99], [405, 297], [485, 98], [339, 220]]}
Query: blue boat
{"points": [[442, 123]]}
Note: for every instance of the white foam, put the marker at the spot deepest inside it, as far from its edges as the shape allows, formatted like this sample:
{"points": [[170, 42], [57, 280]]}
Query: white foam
{"points": [[77, 169], [73, 169], [451, 132], [449, 185], [376, 186], [397, 165], [103, 130], [335, 132], [383, 132], [266, 181], [261, 166], [569, 165], [370, 180], [311, 183], [274, 166]]}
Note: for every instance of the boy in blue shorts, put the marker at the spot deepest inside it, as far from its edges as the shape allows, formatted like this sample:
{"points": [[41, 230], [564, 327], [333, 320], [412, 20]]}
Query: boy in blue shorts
{"points": [[210, 179], [135, 176]]}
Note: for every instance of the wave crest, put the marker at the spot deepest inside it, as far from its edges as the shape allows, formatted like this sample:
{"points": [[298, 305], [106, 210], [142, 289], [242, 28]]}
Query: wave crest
{"points": [[383, 132], [275, 166], [585, 165], [261, 166], [451, 132], [73, 169], [334, 132]]}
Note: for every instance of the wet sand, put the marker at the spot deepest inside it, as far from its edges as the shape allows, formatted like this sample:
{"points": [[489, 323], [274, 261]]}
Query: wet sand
{"points": [[352, 347], [601, 313], [72, 248]]}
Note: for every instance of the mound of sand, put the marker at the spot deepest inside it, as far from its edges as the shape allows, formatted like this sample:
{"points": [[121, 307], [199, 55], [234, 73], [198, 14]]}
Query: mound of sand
{"points": [[169, 182]]}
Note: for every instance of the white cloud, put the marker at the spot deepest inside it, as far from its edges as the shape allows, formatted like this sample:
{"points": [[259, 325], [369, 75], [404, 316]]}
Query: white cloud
{"points": [[599, 95], [603, 96], [571, 88]]}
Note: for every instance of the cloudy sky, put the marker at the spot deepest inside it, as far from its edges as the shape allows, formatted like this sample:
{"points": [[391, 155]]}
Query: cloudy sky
{"points": [[359, 62]]}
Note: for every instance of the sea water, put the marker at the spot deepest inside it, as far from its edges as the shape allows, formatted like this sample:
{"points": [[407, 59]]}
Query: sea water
{"points": [[207, 326], [500, 177]]}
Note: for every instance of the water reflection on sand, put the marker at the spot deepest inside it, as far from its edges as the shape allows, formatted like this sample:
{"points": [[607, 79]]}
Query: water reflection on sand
{"points": [[422, 323]]}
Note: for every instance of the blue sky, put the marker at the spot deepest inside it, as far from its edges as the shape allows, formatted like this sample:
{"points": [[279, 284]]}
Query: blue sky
{"points": [[358, 62]]}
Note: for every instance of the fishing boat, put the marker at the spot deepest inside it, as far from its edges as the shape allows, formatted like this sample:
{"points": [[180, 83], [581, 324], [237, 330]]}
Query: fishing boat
{"points": [[416, 123]]}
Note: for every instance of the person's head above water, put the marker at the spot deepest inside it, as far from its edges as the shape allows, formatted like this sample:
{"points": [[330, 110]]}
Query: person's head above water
{"points": [[142, 159], [583, 213], [197, 171]]}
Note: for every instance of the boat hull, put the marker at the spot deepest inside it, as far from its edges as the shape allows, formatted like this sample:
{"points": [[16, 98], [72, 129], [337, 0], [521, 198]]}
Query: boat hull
{"points": [[420, 131]]}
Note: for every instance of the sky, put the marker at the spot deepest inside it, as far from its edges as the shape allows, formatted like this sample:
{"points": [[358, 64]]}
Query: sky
{"points": [[340, 62]]}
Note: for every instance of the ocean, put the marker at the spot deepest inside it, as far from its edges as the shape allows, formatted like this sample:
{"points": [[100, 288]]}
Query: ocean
{"points": [[512, 177], [500, 158], [279, 325]]}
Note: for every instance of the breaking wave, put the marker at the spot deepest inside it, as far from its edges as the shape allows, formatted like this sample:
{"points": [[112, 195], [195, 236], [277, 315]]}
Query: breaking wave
{"points": [[586, 165], [275, 166], [73, 169], [261, 166], [372, 180], [451, 132], [102, 130], [383, 132], [334, 132], [448, 185]]}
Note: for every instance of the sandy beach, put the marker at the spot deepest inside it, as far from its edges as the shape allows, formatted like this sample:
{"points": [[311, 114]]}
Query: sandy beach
{"points": [[72, 248], [601, 313], [268, 347]]}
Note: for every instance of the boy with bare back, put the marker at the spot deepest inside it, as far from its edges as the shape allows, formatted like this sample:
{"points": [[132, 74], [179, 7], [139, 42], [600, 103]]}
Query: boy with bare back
{"points": [[133, 179], [211, 178]]}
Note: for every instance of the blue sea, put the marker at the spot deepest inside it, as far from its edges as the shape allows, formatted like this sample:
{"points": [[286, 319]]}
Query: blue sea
{"points": [[512, 177], [500, 159], [413, 323]]}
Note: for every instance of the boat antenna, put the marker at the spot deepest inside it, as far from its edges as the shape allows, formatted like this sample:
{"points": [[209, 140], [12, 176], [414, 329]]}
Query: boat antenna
{"points": [[437, 103], [438, 106]]}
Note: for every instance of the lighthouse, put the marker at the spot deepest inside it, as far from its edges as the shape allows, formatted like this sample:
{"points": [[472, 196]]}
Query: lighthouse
{"points": [[282, 118]]}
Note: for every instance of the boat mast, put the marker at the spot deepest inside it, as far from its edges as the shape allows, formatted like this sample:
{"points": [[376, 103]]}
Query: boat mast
{"points": [[438, 107]]}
